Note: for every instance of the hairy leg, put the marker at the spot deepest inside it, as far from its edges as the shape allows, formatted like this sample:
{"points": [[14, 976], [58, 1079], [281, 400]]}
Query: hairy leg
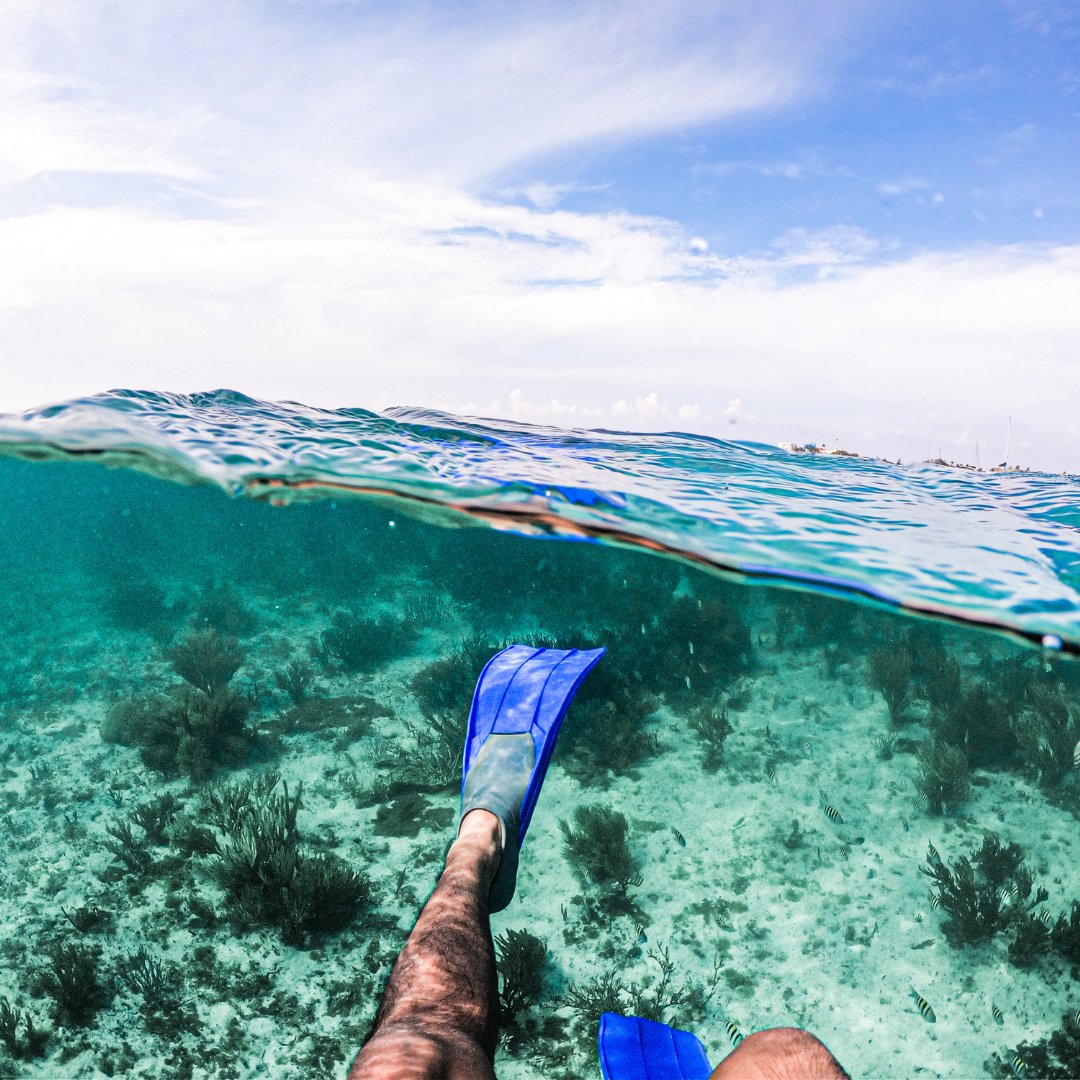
{"points": [[780, 1054], [439, 1015]]}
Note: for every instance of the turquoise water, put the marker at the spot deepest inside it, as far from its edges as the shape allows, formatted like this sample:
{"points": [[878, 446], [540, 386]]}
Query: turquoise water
{"points": [[215, 604]]}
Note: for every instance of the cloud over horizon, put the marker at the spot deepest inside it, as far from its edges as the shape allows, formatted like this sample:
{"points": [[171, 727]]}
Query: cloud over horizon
{"points": [[320, 202]]}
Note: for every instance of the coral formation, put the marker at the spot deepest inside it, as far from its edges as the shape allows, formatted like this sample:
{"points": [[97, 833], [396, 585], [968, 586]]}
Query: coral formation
{"points": [[889, 671], [597, 849], [267, 878], [520, 962], [713, 728], [944, 777], [361, 643], [206, 658]]}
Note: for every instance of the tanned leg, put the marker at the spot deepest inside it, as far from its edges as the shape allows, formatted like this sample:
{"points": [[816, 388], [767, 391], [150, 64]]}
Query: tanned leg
{"points": [[780, 1054], [439, 1015]]}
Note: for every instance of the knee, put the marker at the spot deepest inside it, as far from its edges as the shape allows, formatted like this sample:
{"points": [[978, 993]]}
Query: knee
{"points": [[403, 1052], [780, 1054]]}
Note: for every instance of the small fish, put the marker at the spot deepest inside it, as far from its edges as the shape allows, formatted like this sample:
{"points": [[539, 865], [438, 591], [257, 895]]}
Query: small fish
{"points": [[932, 853], [905, 823], [687, 682], [642, 629], [1006, 894], [734, 1034], [845, 853], [996, 1013], [704, 669], [1076, 755], [935, 900], [739, 824], [1045, 918], [1076, 1017], [924, 1007], [1018, 1065], [924, 944], [834, 815], [639, 930], [772, 776], [1000, 814], [822, 796], [866, 806], [678, 836], [808, 748], [691, 644]]}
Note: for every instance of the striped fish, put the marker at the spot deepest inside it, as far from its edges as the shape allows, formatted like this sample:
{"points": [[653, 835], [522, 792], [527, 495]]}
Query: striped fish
{"points": [[924, 1007], [640, 933], [1076, 1017], [1076, 755], [935, 900], [734, 1034], [691, 648], [905, 823], [1006, 894], [932, 853], [845, 853], [834, 815], [678, 836], [772, 776], [1000, 814], [1018, 1065], [808, 748], [1045, 918], [996, 1013]]}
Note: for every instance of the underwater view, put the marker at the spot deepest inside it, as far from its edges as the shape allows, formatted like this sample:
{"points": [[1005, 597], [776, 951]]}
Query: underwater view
{"points": [[827, 773]]}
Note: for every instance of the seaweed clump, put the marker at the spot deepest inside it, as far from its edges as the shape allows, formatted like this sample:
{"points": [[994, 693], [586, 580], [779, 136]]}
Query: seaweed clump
{"points": [[984, 894], [944, 776], [520, 963], [196, 727], [32, 1042], [1048, 732], [713, 728], [362, 643], [598, 852], [1056, 1057], [72, 980], [889, 671], [267, 878]]}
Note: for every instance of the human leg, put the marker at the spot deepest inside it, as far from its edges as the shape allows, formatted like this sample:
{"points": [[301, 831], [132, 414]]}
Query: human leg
{"points": [[439, 1015]]}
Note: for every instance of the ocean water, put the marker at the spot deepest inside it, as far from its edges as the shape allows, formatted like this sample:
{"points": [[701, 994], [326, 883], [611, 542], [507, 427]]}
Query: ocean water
{"points": [[238, 627]]}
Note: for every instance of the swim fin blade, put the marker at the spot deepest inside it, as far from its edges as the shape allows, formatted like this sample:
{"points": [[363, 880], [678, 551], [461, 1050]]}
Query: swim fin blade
{"points": [[632, 1048]]}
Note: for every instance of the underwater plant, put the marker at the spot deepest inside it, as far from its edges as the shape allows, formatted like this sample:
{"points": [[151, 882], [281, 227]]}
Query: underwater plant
{"points": [[32, 1043], [979, 723], [944, 777], [699, 644], [267, 879], [445, 686], [597, 850], [520, 963], [431, 759], [1065, 934], [188, 732], [148, 977], [155, 816], [978, 905], [1056, 1057], [1048, 731], [713, 727], [361, 643], [296, 679], [72, 980], [128, 848], [889, 670], [218, 607], [605, 732], [138, 603], [662, 1001], [1031, 942], [407, 813], [206, 658]]}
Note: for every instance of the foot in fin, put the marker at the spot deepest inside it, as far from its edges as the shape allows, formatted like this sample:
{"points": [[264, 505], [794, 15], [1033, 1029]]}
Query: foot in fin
{"points": [[517, 710]]}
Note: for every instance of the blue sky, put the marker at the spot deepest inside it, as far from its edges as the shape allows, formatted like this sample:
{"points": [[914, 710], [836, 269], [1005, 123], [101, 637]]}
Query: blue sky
{"points": [[850, 222]]}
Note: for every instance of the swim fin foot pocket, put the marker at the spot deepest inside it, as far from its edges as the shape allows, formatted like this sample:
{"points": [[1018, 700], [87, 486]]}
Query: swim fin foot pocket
{"points": [[517, 711]]}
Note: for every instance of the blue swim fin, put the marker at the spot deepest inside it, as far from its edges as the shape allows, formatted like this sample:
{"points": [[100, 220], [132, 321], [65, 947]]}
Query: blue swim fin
{"points": [[635, 1049], [522, 691]]}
